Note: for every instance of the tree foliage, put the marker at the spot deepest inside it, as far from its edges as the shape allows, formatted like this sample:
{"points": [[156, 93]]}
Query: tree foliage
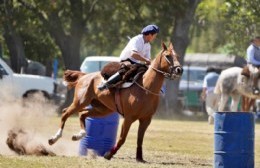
{"points": [[101, 27], [243, 23], [225, 26]]}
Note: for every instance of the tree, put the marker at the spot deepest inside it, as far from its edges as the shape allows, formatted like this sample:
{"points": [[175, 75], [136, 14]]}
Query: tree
{"points": [[66, 23], [243, 23], [174, 19], [12, 37], [207, 30], [103, 26], [181, 41]]}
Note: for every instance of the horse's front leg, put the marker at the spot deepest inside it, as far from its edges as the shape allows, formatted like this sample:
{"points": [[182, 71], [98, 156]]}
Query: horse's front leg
{"points": [[89, 112], [234, 102], [143, 125], [124, 131]]}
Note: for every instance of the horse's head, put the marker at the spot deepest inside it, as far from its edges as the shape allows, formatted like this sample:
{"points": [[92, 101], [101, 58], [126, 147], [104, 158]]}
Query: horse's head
{"points": [[168, 63]]}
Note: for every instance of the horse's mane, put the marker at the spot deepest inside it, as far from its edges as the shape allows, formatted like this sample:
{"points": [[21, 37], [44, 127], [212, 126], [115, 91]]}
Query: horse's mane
{"points": [[71, 77]]}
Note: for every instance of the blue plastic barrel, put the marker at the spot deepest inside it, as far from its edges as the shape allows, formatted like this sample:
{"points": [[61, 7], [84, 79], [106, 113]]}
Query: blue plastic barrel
{"points": [[234, 135], [101, 134]]}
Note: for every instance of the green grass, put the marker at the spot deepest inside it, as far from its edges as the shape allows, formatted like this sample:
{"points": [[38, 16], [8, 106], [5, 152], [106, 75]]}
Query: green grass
{"points": [[167, 143]]}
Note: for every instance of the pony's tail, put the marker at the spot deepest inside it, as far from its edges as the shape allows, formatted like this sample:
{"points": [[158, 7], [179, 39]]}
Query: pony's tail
{"points": [[71, 77]]}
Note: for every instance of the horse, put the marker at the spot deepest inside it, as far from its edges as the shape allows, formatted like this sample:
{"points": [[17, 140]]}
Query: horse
{"points": [[232, 83], [138, 102]]}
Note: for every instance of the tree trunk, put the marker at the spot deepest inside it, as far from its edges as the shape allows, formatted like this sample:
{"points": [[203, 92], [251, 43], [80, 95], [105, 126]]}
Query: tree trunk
{"points": [[13, 40], [71, 54], [1, 51], [180, 40], [16, 49]]}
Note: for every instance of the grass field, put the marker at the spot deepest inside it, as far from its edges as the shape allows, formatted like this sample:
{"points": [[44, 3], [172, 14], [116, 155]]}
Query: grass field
{"points": [[167, 143]]}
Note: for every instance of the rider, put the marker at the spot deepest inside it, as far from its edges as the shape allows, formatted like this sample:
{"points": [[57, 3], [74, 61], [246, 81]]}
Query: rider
{"points": [[137, 51], [253, 59]]}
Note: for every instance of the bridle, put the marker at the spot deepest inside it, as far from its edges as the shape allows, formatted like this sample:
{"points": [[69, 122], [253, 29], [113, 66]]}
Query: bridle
{"points": [[173, 72]]}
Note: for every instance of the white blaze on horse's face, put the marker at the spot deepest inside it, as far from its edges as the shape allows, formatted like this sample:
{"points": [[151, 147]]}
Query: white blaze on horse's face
{"points": [[173, 52]]}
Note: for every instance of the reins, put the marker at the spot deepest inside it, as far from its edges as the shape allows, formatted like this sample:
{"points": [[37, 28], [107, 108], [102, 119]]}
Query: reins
{"points": [[147, 91]]}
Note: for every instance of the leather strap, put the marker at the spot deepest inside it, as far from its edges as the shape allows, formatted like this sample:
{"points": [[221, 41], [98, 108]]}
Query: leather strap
{"points": [[117, 101]]}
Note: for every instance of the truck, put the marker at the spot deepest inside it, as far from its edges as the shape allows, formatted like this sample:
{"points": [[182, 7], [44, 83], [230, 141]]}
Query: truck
{"points": [[25, 85]]}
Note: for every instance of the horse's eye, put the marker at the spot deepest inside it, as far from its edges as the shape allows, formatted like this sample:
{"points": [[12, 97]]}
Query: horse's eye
{"points": [[168, 56]]}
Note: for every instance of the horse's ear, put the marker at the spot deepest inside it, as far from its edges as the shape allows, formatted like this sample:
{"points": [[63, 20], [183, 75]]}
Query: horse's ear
{"points": [[172, 49], [171, 46], [164, 46]]}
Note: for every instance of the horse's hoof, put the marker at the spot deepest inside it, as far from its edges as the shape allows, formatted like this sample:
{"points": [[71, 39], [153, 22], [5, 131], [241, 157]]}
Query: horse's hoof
{"points": [[108, 155], [141, 160], [76, 137], [51, 141]]}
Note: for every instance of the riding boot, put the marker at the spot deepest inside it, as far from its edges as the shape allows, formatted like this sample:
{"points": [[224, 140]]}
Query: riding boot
{"points": [[112, 80]]}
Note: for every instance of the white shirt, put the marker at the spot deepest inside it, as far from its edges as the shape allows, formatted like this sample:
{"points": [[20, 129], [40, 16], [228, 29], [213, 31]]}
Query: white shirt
{"points": [[138, 45]]}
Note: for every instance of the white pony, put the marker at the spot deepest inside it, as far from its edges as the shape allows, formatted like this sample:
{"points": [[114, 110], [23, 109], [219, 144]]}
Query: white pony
{"points": [[232, 83]]}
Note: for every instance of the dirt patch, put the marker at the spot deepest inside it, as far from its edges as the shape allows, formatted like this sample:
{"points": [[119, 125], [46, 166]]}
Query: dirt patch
{"points": [[32, 126], [21, 143]]}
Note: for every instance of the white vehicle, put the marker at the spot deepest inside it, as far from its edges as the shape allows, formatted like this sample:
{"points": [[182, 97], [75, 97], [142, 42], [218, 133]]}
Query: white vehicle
{"points": [[96, 63], [22, 85]]}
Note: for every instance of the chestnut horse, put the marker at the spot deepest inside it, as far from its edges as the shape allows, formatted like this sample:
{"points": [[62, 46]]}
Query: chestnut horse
{"points": [[138, 102]]}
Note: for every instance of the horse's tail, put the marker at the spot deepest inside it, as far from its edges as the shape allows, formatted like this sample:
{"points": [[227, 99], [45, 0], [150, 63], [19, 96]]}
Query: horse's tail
{"points": [[71, 77], [217, 89]]}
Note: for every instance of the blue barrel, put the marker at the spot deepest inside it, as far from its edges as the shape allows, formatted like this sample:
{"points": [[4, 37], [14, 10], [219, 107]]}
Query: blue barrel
{"points": [[101, 134], [234, 135]]}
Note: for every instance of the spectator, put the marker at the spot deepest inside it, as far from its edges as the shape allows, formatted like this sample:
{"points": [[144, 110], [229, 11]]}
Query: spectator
{"points": [[208, 95]]}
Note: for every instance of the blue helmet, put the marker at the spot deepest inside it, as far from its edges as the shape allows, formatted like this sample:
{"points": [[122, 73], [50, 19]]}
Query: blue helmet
{"points": [[150, 29]]}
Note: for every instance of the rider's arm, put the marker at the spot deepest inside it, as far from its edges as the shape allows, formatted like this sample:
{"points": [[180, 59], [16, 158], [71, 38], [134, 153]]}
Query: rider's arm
{"points": [[136, 56]]}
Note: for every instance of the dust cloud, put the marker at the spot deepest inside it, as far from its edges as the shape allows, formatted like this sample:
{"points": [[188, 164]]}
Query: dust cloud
{"points": [[27, 125]]}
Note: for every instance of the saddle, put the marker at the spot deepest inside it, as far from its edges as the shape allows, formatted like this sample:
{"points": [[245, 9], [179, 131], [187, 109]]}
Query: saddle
{"points": [[254, 76], [129, 72], [246, 71]]}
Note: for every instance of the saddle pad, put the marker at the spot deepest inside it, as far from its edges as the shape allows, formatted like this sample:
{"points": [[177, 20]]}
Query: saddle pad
{"points": [[124, 85]]}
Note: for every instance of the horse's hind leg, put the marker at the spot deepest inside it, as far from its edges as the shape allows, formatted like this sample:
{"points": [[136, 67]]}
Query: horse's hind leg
{"points": [[66, 113]]}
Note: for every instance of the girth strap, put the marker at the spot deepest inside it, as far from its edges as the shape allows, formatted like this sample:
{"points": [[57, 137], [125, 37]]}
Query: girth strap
{"points": [[117, 102]]}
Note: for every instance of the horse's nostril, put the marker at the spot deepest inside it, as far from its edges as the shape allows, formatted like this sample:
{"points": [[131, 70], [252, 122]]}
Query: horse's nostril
{"points": [[178, 70]]}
